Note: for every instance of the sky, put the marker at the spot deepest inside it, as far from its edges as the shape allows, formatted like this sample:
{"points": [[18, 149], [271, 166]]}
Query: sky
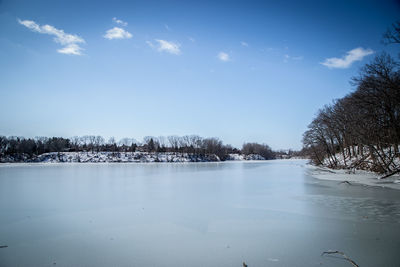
{"points": [[242, 71]]}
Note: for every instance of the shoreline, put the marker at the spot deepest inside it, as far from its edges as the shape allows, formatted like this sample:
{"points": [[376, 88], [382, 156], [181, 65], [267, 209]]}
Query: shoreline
{"points": [[124, 157], [359, 177], [30, 164]]}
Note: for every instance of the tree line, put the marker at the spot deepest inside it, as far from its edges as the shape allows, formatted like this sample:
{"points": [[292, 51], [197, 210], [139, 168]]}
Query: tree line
{"points": [[362, 129], [194, 144]]}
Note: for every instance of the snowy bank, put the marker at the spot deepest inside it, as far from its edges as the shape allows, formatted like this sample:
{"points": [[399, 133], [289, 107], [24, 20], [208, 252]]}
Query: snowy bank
{"points": [[245, 157], [384, 161], [356, 176], [94, 157]]}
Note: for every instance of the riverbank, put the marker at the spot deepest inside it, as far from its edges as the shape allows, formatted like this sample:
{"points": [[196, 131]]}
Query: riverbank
{"points": [[99, 157], [361, 177]]}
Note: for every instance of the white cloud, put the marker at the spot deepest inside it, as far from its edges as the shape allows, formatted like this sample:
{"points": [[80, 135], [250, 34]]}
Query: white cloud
{"points": [[71, 49], [31, 25], [191, 39], [223, 56], [244, 44], [166, 46], [357, 54], [117, 33], [69, 41], [118, 21], [167, 27]]}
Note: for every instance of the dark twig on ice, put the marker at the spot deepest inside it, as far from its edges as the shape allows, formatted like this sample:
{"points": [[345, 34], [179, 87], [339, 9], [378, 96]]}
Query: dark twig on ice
{"points": [[345, 182], [3, 246], [343, 255], [390, 174], [244, 264]]}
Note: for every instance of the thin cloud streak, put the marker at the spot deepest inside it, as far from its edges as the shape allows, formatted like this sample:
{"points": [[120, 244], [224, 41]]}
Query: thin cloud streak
{"points": [[69, 41], [287, 57], [120, 22], [165, 46], [356, 54]]}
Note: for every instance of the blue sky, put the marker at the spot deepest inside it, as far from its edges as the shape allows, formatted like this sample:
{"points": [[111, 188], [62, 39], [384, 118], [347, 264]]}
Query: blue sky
{"points": [[237, 70]]}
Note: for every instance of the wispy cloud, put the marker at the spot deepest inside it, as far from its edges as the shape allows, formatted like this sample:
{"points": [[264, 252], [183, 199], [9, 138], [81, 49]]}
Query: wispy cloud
{"points": [[117, 33], [167, 27], [165, 46], [71, 49], [244, 44], [356, 54], [120, 22], [223, 56], [69, 41], [287, 57], [150, 44], [192, 39]]}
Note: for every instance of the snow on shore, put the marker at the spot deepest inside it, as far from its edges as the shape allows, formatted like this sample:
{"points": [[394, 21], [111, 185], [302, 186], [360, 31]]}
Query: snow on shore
{"points": [[356, 176], [245, 157], [363, 161], [93, 157]]}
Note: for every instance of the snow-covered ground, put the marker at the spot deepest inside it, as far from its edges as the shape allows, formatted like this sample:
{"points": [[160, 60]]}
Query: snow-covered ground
{"points": [[356, 177], [55, 157], [245, 157], [363, 161]]}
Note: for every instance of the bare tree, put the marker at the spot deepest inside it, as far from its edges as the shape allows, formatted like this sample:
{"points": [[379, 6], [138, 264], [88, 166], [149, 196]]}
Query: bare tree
{"points": [[392, 35], [366, 121], [75, 142], [111, 141], [173, 141], [98, 141]]}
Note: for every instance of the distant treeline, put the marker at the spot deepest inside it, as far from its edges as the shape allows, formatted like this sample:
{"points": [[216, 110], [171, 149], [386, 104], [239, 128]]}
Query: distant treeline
{"points": [[365, 124], [183, 144]]}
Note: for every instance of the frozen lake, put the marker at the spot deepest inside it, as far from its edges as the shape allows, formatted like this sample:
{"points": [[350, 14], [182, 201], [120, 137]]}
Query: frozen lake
{"points": [[195, 214]]}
